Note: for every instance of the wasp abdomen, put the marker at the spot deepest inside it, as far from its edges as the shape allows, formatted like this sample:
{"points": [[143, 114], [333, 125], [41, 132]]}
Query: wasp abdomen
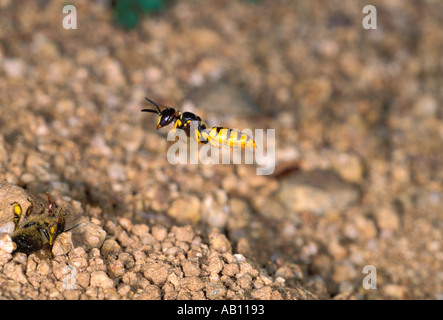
{"points": [[221, 136]]}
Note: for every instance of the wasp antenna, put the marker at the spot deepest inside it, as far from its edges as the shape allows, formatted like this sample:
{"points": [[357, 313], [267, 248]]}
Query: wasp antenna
{"points": [[153, 103], [73, 227], [150, 110]]}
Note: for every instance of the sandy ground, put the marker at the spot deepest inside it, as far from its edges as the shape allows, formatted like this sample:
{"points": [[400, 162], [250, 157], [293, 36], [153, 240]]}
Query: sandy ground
{"points": [[358, 149]]}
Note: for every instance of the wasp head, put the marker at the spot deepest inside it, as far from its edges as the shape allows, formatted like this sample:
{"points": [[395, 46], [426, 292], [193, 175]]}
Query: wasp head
{"points": [[165, 116]]}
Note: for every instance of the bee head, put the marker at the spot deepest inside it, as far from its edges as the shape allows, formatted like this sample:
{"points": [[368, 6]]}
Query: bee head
{"points": [[165, 116]]}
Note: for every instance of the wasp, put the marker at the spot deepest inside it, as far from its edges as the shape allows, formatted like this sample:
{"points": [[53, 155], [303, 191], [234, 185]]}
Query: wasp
{"points": [[37, 231], [215, 136]]}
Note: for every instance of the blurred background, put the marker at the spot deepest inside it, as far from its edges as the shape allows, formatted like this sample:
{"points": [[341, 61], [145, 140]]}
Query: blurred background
{"points": [[357, 117]]}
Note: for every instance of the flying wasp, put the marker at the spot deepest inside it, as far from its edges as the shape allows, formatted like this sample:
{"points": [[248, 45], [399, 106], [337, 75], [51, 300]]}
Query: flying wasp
{"points": [[215, 136], [37, 231]]}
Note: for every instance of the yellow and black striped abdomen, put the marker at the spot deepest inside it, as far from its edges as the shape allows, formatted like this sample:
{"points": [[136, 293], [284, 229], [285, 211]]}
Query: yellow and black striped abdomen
{"points": [[234, 139]]}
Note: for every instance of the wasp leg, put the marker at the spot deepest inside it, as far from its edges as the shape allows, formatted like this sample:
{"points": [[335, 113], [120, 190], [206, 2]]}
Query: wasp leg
{"points": [[30, 208], [57, 229], [201, 137], [176, 125], [60, 222]]}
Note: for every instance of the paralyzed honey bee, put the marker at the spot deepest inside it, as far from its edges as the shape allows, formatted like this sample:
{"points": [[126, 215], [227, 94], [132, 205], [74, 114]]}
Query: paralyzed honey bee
{"points": [[216, 136], [36, 231]]}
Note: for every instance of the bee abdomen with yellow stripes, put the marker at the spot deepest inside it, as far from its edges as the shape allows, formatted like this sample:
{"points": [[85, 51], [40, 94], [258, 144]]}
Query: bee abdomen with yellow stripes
{"points": [[220, 136]]}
